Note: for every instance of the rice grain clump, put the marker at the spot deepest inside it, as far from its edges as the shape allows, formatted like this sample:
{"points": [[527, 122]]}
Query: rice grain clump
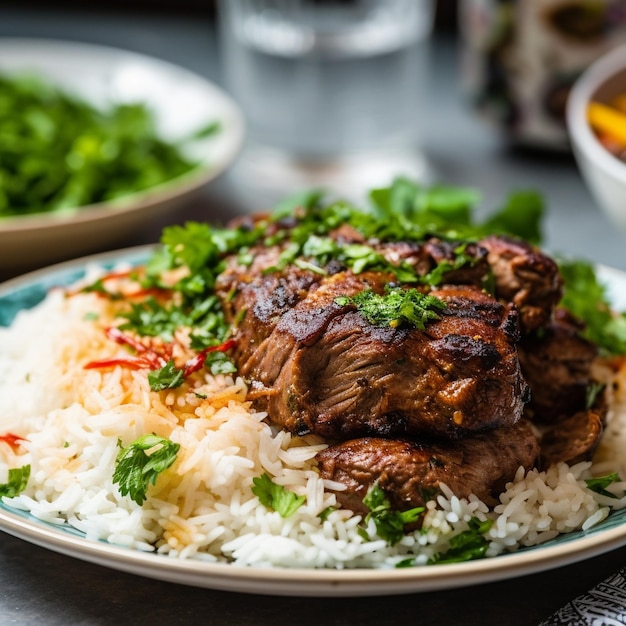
{"points": [[68, 424]]}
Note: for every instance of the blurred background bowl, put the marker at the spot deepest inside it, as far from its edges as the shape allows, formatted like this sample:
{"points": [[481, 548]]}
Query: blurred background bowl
{"points": [[180, 101], [603, 172]]}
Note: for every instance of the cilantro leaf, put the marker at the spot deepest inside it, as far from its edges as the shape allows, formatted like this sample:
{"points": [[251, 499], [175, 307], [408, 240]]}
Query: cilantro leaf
{"points": [[18, 479], [135, 469], [468, 545], [412, 210], [276, 497], [600, 483], [389, 523], [307, 199], [152, 319], [586, 298], [397, 307], [219, 363], [168, 377]]}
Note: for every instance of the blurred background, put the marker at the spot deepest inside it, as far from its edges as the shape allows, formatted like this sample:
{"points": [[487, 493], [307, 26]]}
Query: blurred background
{"points": [[205, 9], [467, 131]]}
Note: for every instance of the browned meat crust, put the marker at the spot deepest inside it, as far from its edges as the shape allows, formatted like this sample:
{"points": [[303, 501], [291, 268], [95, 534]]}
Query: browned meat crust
{"points": [[557, 364], [526, 277], [321, 368], [574, 439], [409, 472]]}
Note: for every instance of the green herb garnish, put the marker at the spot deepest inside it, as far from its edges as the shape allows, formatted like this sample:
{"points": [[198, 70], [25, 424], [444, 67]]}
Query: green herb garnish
{"points": [[397, 307], [17, 481], [599, 484], [167, 377], [219, 363], [586, 298], [468, 545], [323, 515], [389, 523], [139, 464], [59, 152], [276, 497]]}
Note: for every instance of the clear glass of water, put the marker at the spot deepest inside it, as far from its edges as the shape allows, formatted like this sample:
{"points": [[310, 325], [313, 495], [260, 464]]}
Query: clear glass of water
{"points": [[331, 90]]}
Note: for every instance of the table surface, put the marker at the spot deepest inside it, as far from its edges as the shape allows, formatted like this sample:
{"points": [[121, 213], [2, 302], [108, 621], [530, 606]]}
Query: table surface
{"points": [[38, 586]]}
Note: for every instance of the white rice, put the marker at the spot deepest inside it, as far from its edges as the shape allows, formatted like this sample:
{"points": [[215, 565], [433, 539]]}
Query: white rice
{"points": [[202, 507]]}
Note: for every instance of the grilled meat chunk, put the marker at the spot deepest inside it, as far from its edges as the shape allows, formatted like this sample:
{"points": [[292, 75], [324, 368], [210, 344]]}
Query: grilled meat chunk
{"points": [[574, 439], [526, 277], [557, 364], [322, 368], [409, 471]]}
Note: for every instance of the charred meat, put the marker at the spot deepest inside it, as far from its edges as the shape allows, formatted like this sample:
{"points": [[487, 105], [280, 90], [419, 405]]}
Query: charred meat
{"points": [[557, 364], [410, 471], [526, 277], [319, 367]]}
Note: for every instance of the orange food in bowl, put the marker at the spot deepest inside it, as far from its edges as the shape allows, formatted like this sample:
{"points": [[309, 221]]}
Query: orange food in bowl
{"points": [[609, 124]]}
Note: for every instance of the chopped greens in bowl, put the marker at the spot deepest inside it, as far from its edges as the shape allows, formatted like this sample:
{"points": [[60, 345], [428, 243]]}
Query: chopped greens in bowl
{"points": [[97, 142], [59, 152]]}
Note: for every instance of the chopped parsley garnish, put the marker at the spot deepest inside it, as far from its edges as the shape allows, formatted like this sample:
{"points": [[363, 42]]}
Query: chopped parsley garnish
{"points": [[389, 523], [150, 318], [167, 377], [276, 497], [586, 298], [599, 484], [436, 275], [468, 545], [397, 307], [448, 212], [219, 363], [139, 464], [17, 481]]}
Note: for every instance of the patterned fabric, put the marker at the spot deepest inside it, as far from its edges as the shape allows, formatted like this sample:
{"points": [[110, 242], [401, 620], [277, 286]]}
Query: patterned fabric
{"points": [[604, 605]]}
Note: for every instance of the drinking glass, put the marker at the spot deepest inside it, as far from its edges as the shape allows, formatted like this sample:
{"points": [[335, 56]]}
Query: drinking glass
{"points": [[331, 90]]}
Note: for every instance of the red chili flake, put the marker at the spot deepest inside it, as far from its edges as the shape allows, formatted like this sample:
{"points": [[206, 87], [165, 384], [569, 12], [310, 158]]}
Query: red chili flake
{"points": [[133, 363], [13, 440], [148, 358], [196, 363], [151, 356]]}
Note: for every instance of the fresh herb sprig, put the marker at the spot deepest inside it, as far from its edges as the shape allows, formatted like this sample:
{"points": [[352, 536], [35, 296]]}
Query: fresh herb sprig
{"points": [[276, 497], [139, 464], [599, 484], [395, 308], [586, 297], [468, 545], [450, 212], [16, 483], [403, 211], [389, 523]]}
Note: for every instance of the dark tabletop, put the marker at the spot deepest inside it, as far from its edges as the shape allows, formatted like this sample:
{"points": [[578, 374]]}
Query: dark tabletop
{"points": [[38, 586]]}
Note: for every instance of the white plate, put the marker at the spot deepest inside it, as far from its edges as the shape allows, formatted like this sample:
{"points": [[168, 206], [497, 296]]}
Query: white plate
{"points": [[181, 102], [25, 292]]}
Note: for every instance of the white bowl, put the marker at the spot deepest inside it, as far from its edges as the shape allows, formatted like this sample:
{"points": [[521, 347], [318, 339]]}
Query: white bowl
{"points": [[181, 102], [604, 174]]}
